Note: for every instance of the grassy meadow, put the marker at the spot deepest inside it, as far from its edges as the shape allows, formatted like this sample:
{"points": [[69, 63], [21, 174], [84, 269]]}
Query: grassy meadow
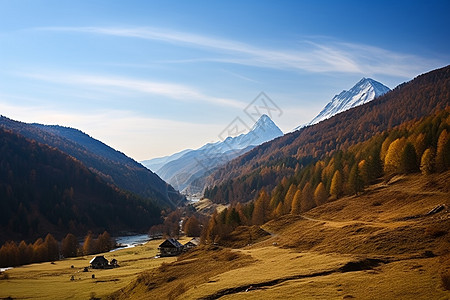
{"points": [[53, 280]]}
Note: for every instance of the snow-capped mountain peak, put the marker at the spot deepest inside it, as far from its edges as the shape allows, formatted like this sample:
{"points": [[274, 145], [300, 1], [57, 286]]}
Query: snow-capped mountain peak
{"points": [[265, 123], [364, 91], [194, 165]]}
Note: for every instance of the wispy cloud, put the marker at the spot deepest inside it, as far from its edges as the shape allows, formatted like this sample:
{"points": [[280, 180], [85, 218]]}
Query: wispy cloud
{"points": [[317, 56], [170, 90]]}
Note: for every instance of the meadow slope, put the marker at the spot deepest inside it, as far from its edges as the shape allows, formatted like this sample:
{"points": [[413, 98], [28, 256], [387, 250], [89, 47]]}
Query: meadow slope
{"points": [[381, 244]]}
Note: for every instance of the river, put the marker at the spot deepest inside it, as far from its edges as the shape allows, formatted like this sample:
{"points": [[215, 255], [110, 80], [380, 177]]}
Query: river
{"points": [[130, 241]]}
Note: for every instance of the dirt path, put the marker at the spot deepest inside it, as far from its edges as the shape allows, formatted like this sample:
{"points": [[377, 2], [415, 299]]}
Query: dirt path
{"points": [[340, 224]]}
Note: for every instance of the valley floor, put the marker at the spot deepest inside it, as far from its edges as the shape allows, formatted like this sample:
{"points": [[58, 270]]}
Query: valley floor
{"points": [[382, 244]]}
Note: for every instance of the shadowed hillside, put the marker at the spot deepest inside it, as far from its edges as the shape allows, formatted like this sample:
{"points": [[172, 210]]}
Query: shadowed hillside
{"points": [[113, 166], [43, 190]]}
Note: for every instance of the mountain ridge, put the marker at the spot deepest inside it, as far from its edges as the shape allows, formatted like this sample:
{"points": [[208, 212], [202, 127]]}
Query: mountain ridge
{"points": [[192, 165], [362, 92], [112, 165], [424, 94]]}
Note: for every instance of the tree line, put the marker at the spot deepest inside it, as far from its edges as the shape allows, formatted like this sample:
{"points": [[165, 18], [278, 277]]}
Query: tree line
{"points": [[266, 165], [49, 249], [417, 146], [44, 190]]}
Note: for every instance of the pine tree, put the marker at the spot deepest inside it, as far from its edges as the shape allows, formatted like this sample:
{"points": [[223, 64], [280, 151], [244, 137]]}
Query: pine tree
{"points": [[427, 162], [212, 230], [392, 161], [260, 213], [408, 159], [89, 246], [336, 185], [320, 194], [374, 164], [355, 181], [443, 152], [69, 246], [232, 218], [296, 209], [289, 197], [104, 242], [25, 253], [52, 248], [363, 167], [307, 200], [279, 211], [192, 227]]}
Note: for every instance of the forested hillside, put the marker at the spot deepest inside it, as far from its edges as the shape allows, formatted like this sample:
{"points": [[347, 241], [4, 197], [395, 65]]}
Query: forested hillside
{"points": [[265, 166], [113, 166], [412, 147], [43, 190]]}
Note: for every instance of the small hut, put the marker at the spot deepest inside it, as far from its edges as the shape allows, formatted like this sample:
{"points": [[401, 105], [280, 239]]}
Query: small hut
{"points": [[170, 247], [192, 244], [99, 262]]}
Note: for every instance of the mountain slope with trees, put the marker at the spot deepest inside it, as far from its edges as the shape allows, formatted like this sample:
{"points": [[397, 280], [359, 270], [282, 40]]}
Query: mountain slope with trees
{"points": [[265, 166], [113, 166], [43, 190]]}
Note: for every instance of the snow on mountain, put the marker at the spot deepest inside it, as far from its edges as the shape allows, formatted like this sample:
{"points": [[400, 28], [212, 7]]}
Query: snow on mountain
{"points": [[182, 170], [364, 91], [262, 131], [155, 164]]}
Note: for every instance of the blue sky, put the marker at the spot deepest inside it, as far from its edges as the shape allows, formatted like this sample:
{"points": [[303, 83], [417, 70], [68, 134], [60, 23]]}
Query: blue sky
{"points": [[151, 78]]}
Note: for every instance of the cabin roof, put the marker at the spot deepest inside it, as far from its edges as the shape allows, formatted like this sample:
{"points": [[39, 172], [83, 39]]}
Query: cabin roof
{"points": [[194, 241], [171, 243], [100, 259]]}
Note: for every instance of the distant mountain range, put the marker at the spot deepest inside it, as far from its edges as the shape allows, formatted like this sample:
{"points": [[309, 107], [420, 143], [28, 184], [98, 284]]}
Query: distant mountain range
{"points": [[111, 165], [185, 170], [364, 91]]}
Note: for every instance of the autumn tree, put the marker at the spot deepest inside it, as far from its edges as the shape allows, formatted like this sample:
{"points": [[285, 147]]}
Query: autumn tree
{"points": [[25, 253], [296, 202], [393, 159], [320, 194], [443, 152], [213, 229], [307, 200], [289, 197], [336, 185], [192, 227], [259, 212], [52, 248], [104, 243], [89, 245], [9, 255], [427, 162], [232, 218], [39, 251], [69, 246]]}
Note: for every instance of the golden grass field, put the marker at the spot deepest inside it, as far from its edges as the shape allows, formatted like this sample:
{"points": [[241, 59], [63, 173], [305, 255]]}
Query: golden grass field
{"points": [[377, 245], [52, 281]]}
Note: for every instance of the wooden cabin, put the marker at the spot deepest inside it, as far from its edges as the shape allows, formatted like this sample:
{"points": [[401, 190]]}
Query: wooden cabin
{"points": [[99, 262], [170, 247], [192, 244]]}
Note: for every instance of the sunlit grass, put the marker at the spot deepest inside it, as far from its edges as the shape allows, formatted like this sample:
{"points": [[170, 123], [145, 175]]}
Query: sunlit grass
{"points": [[53, 281]]}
